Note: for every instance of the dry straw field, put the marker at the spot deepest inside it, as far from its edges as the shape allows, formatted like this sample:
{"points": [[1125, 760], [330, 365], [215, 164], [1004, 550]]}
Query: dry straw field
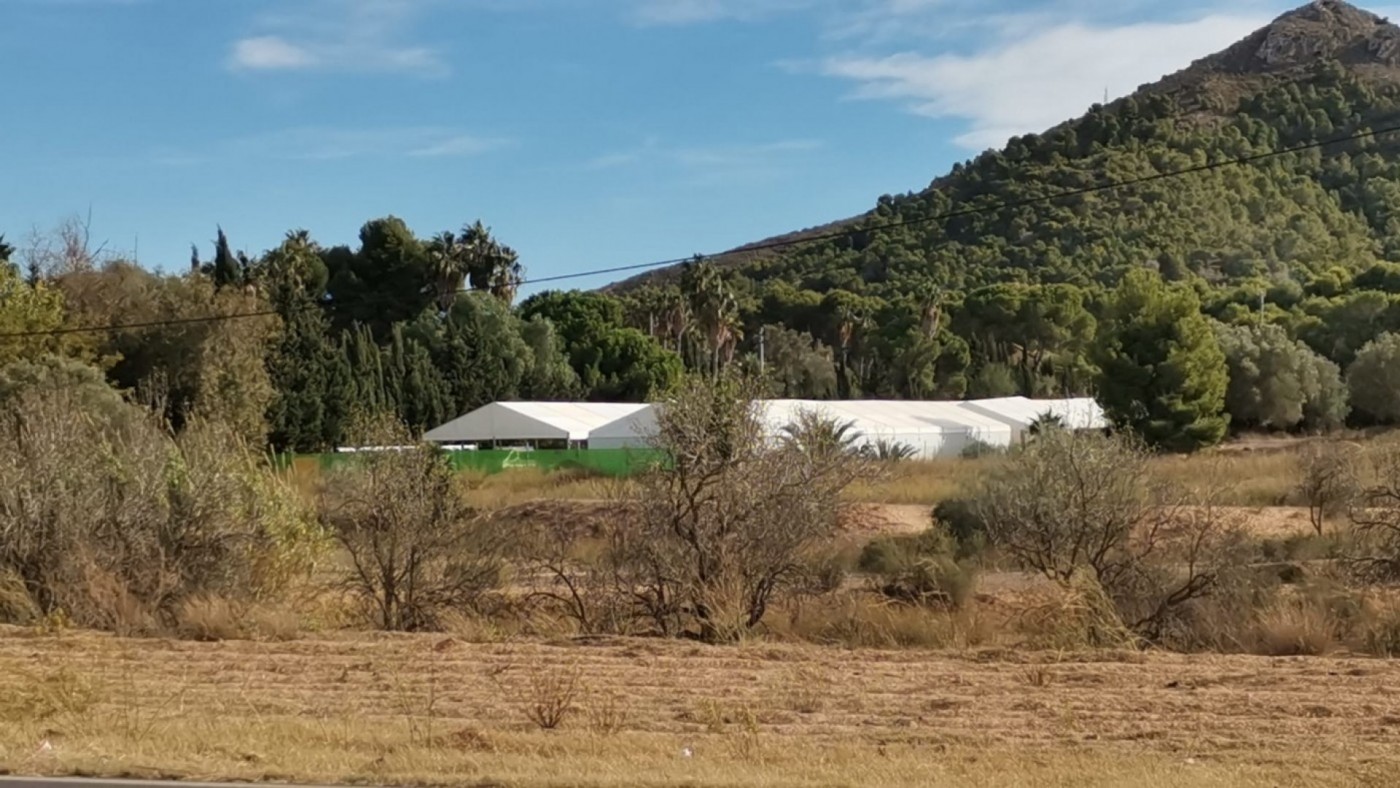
{"points": [[437, 710], [753, 616]]}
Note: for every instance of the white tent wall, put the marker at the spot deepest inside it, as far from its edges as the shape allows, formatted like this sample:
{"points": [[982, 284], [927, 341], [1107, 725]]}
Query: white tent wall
{"points": [[933, 429], [516, 422], [1020, 412], [633, 431]]}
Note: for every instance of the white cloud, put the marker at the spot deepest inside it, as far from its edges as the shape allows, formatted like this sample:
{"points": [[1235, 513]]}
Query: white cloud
{"points": [[448, 144], [338, 35], [709, 165], [1021, 85], [683, 12], [270, 52], [316, 143]]}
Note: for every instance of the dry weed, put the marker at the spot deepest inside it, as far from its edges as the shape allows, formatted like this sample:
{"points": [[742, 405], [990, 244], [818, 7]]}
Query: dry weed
{"points": [[551, 694], [606, 713], [1298, 628], [210, 618], [806, 693], [57, 694], [1037, 676]]}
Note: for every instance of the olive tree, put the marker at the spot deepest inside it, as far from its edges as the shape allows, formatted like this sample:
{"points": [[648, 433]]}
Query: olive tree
{"points": [[1078, 503], [1277, 382], [1327, 480], [416, 549], [733, 521], [109, 518], [1374, 377]]}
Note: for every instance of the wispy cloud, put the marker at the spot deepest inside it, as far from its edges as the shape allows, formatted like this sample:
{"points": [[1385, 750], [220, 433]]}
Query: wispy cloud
{"points": [[338, 35], [1025, 83], [683, 12], [709, 164], [323, 144]]}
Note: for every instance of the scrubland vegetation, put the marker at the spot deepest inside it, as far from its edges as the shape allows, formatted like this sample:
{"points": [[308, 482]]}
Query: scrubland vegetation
{"points": [[737, 617]]}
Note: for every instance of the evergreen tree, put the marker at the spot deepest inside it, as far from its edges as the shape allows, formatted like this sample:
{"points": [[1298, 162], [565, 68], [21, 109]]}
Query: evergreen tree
{"points": [[1163, 373], [227, 270]]}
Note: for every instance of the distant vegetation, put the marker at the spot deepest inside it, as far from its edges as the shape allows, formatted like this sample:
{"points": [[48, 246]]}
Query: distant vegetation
{"points": [[1259, 296]]}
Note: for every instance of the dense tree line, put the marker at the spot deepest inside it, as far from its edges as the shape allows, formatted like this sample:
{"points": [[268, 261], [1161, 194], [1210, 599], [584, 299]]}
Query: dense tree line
{"points": [[1263, 296]]}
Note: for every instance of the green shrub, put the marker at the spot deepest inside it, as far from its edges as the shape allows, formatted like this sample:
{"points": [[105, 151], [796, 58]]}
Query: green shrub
{"points": [[958, 518], [111, 521], [919, 568]]}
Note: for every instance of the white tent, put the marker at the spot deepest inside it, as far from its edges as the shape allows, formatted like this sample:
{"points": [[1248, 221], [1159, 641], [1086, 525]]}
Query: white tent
{"points": [[1020, 413], [519, 422], [632, 431], [932, 429]]}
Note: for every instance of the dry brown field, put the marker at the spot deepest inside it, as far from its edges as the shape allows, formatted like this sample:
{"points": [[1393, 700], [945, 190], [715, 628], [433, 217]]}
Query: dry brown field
{"points": [[437, 710]]}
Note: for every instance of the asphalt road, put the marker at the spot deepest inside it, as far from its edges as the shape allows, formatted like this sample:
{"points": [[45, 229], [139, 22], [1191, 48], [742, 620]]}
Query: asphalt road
{"points": [[80, 782]]}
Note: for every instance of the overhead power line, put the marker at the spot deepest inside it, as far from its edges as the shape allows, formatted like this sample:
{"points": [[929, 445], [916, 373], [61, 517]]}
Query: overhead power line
{"points": [[789, 242]]}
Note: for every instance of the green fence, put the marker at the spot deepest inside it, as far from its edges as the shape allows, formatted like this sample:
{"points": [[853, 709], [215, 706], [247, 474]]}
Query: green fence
{"points": [[606, 462]]}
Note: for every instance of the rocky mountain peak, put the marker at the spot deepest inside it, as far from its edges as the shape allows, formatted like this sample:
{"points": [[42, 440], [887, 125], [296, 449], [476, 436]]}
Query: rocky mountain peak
{"points": [[1322, 29]]}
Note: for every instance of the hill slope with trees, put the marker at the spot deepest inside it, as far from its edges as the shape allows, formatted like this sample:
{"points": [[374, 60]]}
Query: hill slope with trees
{"points": [[1228, 252]]}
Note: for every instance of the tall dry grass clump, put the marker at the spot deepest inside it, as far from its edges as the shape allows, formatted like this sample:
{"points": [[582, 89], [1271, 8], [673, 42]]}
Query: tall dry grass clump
{"points": [[110, 521]]}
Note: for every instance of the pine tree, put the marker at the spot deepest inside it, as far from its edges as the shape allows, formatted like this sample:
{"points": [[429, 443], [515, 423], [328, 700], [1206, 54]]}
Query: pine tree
{"points": [[227, 271], [1163, 374]]}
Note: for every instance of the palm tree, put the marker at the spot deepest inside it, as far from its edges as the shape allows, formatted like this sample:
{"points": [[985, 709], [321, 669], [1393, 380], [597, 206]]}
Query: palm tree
{"points": [[490, 265], [1046, 422], [820, 436], [930, 300], [715, 312], [447, 266]]}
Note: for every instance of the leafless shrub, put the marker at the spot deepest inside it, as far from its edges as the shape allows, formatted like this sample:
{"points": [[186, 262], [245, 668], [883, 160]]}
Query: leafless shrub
{"points": [[108, 519], [606, 713], [573, 577], [1083, 510], [551, 695], [729, 525], [416, 549], [66, 249], [1328, 480], [1375, 515]]}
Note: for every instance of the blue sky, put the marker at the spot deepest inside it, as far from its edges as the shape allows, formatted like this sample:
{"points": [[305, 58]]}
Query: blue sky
{"points": [[586, 133]]}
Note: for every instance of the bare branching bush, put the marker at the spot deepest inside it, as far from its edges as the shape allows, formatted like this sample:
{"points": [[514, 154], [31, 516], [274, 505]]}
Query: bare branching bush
{"points": [[1375, 515], [1083, 510], [1328, 480], [606, 713], [731, 523], [112, 522], [572, 577], [551, 695], [416, 549]]}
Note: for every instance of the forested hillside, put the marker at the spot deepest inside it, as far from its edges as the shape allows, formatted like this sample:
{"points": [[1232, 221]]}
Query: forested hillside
{"points": [[1222, 287]]}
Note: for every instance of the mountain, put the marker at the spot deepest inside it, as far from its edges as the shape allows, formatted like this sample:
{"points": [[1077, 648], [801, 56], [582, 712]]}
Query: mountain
{"points": [[1324, 70]]}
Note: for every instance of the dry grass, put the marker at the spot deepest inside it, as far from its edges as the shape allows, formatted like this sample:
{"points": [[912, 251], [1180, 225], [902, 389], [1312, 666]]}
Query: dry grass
{"points": [[391, 710], [1249, 478], [524, 485], [1257, 478]]}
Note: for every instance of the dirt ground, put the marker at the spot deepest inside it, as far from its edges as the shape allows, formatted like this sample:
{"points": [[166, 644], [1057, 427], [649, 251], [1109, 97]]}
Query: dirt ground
{"points": [[434, 709], [871, 519]]}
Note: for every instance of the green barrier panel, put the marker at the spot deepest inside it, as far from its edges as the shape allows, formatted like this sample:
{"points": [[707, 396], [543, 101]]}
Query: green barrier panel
{"points": [[606, 462]]}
